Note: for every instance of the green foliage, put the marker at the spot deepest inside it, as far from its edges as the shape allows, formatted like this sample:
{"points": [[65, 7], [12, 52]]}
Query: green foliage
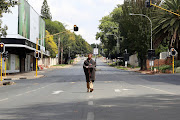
{"points": [[168, 25], [68, 40], [51, 46], [4, 8], [177, 63], [135, 30], [163, 68], [45, 11], [178, 70]]}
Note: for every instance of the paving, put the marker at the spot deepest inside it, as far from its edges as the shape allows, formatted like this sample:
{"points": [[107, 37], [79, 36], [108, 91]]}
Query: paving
{"points": [[118, 95]]}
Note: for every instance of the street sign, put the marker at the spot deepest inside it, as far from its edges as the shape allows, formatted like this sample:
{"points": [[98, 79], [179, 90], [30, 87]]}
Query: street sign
{"points": [[173, 52], [95, 51]]}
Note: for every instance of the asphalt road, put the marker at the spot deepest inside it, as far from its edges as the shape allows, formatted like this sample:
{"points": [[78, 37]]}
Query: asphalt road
{"points": [[118, 95]]}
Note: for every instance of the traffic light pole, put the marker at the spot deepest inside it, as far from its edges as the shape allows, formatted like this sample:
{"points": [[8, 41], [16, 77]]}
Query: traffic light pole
{"points": [[173, 64], [37, 58], [163, 8], [5, 67], [1, 67]]}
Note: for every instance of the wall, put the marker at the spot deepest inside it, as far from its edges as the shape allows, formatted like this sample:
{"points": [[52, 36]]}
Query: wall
{"points": [[12, 64], [47, 62], [160, 62], [133, 60]]}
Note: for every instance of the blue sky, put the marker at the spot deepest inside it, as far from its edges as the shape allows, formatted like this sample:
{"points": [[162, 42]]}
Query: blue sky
{"points": [[84, 13]]}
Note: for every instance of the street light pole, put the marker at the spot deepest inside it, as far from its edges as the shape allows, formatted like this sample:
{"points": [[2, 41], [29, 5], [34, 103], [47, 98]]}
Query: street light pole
{"points": [[151, 30], [59, 39], [150, 23], [69, 54]]}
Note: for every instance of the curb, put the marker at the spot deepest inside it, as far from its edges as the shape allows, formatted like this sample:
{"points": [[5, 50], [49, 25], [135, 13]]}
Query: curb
{"points": [[23, 78], [6, 83]]}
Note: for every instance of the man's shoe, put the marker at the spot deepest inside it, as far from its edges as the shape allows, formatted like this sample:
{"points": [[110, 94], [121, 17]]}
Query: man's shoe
{"points": [[91, 90], [88, 90]]}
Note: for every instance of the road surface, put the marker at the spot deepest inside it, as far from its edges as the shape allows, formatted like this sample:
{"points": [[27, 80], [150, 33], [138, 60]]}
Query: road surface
{"points": [[118, 95]]}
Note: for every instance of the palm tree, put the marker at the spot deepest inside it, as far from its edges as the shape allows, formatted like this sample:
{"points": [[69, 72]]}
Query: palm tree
{"points": [[168, 25]]}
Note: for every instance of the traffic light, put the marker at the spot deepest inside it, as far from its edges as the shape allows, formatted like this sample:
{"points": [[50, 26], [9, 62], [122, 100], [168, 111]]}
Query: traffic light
{"points": [[36, 54], [126, 57], [173, 52], [5, 55], [151, 54], [76, 28], [2, 48], [148, 3]]}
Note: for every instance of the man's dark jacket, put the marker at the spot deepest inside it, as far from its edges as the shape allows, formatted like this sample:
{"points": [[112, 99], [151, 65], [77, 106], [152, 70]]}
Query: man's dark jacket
{"points": [[90, 71]]}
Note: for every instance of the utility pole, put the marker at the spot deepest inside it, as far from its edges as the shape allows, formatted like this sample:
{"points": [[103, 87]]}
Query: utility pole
{"points": [[95, 54], [126, 63], [59, 42], [61, 54], [69, 56]]}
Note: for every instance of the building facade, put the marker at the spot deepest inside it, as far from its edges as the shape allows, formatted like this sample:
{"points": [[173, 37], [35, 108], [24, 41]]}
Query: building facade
{"points": [[25, 26]]}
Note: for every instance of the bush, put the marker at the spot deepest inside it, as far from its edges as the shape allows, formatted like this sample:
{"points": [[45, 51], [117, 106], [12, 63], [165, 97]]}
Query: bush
{"points": [[163, 68], [177, 63], [71, 61], [178, 70]]}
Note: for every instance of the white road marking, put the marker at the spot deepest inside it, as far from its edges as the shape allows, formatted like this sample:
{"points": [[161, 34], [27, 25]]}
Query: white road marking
{"points": [[19, 94], [34, 90], [126, 89], [90, 97], [4, 99], [158, 90], [117, 90], [90, 103], [90, 116], [57, 92]]}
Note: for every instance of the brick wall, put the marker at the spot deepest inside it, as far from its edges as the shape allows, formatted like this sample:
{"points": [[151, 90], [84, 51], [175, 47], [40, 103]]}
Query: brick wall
{"points": [[161, 62]]}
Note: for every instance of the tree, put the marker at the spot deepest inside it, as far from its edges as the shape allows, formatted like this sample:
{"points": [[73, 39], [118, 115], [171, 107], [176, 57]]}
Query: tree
{"points": [[167, 27], [51, 46], [4, 8], [68, 41], [106, 24], [45, 11], [135, 30]]}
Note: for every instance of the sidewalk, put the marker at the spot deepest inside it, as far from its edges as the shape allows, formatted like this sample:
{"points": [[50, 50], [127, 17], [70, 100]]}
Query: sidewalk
{"points": [[32, 74], [28, 75]]}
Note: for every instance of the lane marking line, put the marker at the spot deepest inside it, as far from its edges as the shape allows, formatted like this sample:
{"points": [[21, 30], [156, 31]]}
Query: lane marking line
{"points": [[57, 92], [117, 90], [90, 116], [19, 94], [158, 90], [4, 99], [126, 89], [35, 90], [90, 97], [90, 103]]}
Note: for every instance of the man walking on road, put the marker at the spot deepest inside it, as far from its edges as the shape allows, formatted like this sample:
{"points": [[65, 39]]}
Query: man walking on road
{"points": [[89, 70]]}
